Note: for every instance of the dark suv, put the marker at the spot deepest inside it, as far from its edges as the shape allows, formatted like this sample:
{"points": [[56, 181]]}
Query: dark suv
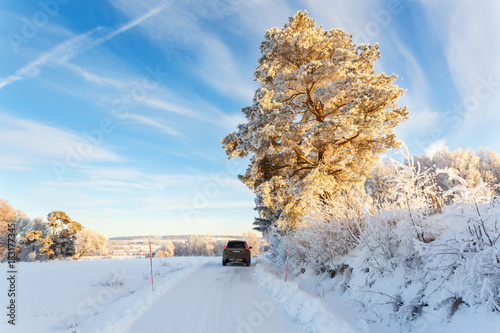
{"points": [[236, 250]]}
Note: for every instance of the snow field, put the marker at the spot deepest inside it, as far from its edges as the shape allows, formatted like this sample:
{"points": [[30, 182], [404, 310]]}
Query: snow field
{"points": [[91, 296], [119, 315]]}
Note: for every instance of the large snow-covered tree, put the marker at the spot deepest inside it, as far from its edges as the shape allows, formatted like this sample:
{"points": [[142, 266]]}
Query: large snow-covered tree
{"points": [[90, 242], [60, 238], [319, 118]]}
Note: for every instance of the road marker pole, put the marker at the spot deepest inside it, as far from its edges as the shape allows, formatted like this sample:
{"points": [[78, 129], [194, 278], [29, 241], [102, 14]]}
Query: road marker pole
{"points": [[151, 262], [287, 257]]}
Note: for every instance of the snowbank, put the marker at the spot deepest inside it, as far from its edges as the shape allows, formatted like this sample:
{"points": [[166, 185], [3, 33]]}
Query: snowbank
{"points": [[308, 311]]}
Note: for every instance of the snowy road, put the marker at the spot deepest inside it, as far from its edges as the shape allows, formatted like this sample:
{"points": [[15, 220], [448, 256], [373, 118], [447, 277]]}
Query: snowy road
{"points": [[216, 299]]}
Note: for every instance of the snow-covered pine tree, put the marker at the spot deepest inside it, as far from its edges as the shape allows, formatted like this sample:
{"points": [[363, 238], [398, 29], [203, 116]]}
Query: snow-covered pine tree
{"points": [[61, 238], [319, 118]]}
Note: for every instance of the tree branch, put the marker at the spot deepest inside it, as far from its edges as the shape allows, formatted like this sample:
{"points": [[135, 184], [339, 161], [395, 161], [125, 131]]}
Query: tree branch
{"points": [[304, 158], [349, 140], [298, 170]]}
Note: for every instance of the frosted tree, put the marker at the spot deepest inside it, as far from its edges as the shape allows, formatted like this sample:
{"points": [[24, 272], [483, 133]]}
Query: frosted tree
{"points": [[466, 163], [60, 238], [489, 167], [90, 242], [194, 245], [253, 240], [29, 234], [473, 167], [197, 245], [8, 216], [167, 249], [319, 118]]}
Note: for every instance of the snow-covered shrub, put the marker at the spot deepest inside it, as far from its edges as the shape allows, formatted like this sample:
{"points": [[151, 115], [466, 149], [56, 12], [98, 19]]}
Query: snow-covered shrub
{"points": [[329, 232], [380, 239], [390, 231], [71, 324], [279, 244], [113, 280], [415, 194], [377, 186], [459, 265], [472, 245]]}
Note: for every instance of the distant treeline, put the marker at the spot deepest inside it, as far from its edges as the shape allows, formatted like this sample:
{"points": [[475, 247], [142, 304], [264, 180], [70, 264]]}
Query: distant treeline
{"points": [[195, 245]]}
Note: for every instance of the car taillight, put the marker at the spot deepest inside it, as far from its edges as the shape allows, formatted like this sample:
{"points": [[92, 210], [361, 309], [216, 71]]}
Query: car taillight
{"points": [[225, 247], [246, 246]]}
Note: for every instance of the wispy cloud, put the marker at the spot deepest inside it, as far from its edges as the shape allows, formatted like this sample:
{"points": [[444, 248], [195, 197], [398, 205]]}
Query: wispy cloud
{"points": [[170, 106], [418, 131], [150, 122], [221, 70], [15, 162], [183, 24], [129, 179], [152, 12], [259, 16], [94, 78], [57, 56], [27, 143], [161, 98], [418, 86], [63, 52], [468, 32]]}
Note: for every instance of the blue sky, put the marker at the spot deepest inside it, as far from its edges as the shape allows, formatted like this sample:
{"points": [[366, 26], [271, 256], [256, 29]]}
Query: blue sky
{"points": [[113, 111]]}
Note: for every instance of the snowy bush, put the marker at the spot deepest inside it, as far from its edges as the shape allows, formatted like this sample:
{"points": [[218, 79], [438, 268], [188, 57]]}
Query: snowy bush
{"points": [[422, 252], [113, 280], [414, 249], [329, 233], [472, 245], [415, 194]]}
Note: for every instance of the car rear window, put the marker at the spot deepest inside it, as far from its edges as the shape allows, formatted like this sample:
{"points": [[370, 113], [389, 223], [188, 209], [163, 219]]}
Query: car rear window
{"points": [[236, 245]]}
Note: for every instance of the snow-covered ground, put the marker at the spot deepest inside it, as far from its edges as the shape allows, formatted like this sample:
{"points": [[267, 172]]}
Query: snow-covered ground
{"points": [[90, 296], [217, 299], [192, 294], [197, 294]]}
